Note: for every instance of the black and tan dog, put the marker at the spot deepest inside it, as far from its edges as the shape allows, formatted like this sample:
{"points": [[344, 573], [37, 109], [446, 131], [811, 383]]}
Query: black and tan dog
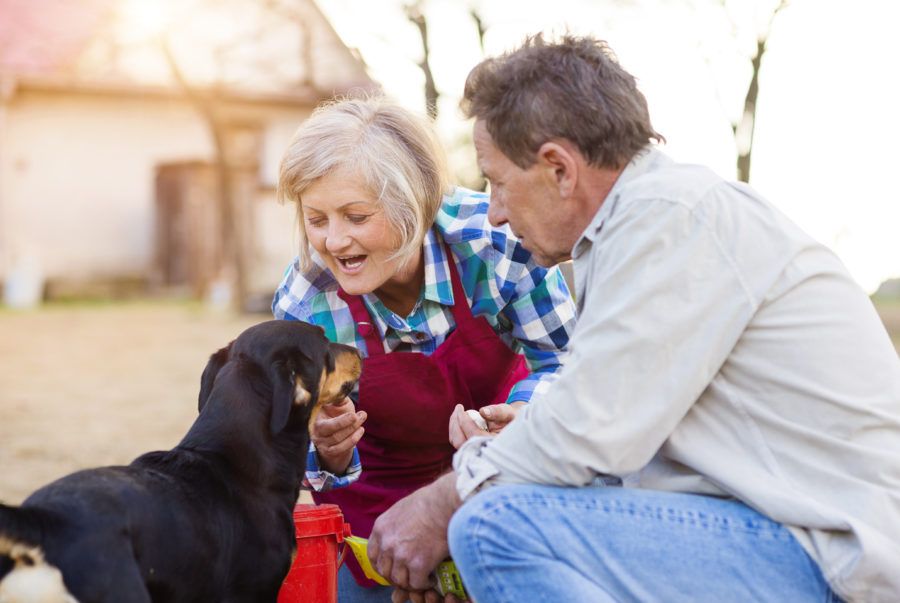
{"points": [[209, 520]]}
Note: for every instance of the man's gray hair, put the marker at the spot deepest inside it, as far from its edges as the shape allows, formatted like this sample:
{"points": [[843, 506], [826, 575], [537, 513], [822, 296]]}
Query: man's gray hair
{"points": [[573, 89]]}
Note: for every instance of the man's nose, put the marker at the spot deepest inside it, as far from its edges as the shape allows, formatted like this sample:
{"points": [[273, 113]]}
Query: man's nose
{"points": [[496, 213]]}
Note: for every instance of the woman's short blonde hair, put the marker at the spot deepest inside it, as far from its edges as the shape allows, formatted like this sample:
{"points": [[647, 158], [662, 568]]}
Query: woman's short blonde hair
{"points": [[392, 150]]}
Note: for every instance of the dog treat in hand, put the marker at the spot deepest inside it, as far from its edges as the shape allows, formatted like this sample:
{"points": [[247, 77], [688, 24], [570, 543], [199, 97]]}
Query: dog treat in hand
{"points": [[479, 420]]}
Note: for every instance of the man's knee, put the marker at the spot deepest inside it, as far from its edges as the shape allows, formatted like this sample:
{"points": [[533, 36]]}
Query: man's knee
{"points": [[479, 513]]}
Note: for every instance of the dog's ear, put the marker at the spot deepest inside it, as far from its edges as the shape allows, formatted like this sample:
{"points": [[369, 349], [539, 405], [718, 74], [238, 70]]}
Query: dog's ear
{"points": [[289, 375], [216, 362]]}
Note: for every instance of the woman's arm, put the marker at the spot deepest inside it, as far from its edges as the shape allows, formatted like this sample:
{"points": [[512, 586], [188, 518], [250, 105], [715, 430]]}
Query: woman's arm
{"points": [[541, 317]]}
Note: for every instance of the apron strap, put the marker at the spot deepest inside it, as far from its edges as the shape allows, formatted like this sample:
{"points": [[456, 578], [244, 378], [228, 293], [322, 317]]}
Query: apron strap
{"points": [[462, 313], [365, 324]]}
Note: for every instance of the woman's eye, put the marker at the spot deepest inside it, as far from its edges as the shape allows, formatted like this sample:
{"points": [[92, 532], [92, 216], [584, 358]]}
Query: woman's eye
{"points": [[357, 219], [315, 222]]}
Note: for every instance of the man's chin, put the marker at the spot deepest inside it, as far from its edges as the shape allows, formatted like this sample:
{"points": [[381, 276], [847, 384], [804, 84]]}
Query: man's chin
{"points": [[545, 261]]}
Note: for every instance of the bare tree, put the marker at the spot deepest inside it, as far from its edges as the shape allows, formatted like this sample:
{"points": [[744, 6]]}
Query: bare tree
{"points": [[298, 14], [415, 14], [479, 26], [745, 126], [209, 101], [205, 104]]}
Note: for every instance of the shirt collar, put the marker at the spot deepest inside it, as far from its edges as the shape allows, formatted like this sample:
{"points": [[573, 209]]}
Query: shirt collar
{"points": [[438, 286], [643, 161]]}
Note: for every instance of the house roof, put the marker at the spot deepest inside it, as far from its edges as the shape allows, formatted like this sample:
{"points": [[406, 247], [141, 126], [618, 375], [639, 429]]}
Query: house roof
{"points": [[283, 51], [41, 37]]}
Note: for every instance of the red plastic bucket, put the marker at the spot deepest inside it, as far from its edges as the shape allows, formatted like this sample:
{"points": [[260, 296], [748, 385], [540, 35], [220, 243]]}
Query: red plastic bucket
{"points": [[313, 575]]}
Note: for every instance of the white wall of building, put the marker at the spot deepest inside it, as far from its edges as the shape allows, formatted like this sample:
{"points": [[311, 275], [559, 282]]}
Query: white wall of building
{"points": [[77, 189]]}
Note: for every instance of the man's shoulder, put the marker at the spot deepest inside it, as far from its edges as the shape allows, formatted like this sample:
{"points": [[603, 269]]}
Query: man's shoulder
{"points": [[672, 182]]}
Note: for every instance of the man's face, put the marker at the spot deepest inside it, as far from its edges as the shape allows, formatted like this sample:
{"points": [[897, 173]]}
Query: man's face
{"points": [[526, 199]]}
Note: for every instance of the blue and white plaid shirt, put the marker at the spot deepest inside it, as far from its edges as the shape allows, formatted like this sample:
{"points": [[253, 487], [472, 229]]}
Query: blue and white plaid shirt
{"points": [[528, 306]]}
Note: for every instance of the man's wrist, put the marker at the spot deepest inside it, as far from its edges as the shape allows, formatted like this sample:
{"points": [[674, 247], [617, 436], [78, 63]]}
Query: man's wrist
{"points": [[473, 471]]}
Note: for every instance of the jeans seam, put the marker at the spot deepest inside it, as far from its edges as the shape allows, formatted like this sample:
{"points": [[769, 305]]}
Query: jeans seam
{"points": [[496, 591], [705, 521]]}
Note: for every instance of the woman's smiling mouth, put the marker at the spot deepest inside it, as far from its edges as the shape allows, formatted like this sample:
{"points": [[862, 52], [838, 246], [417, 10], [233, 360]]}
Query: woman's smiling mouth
{"points": [[351, 263]]}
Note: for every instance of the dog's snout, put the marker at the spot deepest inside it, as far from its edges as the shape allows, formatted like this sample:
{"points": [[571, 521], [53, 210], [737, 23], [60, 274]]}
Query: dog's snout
{"points": [[347, 388], [348, 360], [339, 349], [339, 381]]}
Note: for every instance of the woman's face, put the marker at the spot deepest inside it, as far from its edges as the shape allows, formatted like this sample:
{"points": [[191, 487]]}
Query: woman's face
{"points": [[347, 226]]}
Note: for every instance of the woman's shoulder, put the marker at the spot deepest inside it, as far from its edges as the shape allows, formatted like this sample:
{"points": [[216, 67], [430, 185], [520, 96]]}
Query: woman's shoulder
{"points": [[304, 293], [463, 217], [463, 223]]}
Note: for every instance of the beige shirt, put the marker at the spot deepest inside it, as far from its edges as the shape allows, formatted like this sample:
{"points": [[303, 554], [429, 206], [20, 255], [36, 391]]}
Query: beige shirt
{"points": [[721, 350]]}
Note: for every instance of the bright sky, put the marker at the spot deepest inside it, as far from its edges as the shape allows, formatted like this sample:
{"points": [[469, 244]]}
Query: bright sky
{"points": [[827, 129]]}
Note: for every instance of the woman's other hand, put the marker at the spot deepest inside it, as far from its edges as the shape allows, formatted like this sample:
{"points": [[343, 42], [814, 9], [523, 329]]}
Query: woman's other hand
{"points": [[498, 416], [337, 429]]}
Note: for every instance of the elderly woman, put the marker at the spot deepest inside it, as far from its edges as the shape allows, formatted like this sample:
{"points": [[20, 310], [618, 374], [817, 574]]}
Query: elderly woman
{"points": [[449, 312]]}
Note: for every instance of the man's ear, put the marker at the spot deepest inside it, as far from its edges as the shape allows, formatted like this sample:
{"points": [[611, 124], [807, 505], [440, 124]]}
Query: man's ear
{"points": [[215, 364], [561, 166]]}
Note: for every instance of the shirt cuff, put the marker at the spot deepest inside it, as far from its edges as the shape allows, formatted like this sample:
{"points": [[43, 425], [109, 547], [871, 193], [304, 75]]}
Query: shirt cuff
{"points": [[320, 480], [473, 471]]}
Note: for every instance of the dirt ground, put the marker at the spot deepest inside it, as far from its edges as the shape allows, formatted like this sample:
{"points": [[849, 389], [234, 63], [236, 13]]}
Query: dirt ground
{"points": [[82, 386], [89, 385]]}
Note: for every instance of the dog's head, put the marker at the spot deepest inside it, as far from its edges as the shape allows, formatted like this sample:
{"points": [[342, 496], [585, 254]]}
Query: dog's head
{"points": [[303, 368]]}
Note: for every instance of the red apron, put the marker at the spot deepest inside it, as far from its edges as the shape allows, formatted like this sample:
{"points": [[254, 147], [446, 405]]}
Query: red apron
{"points": [[409, 398]]}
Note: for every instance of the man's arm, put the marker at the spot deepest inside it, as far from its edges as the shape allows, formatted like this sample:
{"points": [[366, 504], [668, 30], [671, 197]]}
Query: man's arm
{"points": [[664, 308]]}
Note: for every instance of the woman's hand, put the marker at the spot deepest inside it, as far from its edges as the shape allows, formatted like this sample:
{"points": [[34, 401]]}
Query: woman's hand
{"points": [[337, 429], [498, 416]]}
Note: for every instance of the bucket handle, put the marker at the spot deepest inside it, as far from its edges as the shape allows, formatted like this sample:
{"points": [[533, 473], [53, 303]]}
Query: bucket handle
{"points": [[344, 546]]}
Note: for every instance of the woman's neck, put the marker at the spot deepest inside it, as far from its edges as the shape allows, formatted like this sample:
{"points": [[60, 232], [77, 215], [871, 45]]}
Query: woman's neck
{"points": [[402, 291]]}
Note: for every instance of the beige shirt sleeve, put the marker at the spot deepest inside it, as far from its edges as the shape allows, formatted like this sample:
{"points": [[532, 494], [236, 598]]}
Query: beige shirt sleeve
{"points": [[662, 309]]}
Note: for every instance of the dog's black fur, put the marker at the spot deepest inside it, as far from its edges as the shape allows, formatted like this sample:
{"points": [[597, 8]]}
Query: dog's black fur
{"points": [[211, 519]]}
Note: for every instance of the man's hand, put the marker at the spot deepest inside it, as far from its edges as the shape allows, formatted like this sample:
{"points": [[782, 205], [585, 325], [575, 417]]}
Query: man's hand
{"points": [[498, 416], [335, 432], [409, 540]]}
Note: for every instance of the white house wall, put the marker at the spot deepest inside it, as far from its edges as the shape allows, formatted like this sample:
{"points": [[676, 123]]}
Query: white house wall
{"points": [[78, 178], [77, 182]]}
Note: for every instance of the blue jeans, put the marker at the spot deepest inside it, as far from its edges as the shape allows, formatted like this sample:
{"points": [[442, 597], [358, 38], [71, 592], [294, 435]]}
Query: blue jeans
{"points": [[351, 592], [519, 543]]}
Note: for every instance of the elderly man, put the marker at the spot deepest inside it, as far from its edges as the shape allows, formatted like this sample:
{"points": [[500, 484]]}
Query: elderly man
{"points": [[725, 370]]}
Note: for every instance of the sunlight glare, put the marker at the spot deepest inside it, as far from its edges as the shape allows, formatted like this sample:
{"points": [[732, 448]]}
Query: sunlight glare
{"points": [[144, 19]]}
